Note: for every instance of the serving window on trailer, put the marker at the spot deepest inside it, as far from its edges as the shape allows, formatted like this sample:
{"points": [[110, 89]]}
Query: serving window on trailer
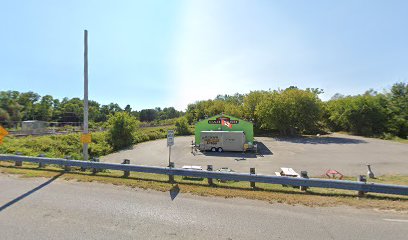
{"points": [[222, 141]]}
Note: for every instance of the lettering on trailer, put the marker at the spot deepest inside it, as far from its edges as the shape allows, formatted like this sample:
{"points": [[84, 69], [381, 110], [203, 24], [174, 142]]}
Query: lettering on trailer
{"points": [[212, 140], [218, 121]]}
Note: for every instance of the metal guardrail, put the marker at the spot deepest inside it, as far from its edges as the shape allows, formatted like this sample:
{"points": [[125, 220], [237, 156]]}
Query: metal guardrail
{"points": [[361, 187]]}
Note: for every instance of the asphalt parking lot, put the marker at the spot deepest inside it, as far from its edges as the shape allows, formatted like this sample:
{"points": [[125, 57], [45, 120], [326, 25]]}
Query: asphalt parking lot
{"points": [[346, 154]]}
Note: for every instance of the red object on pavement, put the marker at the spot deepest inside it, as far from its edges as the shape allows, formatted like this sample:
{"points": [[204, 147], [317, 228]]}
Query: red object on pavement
{"points": [[333, 174]]}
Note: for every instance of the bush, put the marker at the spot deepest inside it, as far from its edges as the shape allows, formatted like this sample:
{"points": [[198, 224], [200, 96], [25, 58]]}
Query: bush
{"points": [[56, 146], [182, 127], [290, 111], [121, 130], [362, 114]]}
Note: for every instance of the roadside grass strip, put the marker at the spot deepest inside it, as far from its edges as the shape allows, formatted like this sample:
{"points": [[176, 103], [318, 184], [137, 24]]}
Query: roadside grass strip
{"points": [[272, 193]]}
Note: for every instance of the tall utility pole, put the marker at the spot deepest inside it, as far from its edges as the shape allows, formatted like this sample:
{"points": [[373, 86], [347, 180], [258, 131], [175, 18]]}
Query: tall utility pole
{"points": [[85, 145]]}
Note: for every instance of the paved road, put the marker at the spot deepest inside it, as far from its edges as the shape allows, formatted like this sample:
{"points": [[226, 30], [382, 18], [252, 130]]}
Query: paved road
{"points": [[56, 209], [347, 154]]}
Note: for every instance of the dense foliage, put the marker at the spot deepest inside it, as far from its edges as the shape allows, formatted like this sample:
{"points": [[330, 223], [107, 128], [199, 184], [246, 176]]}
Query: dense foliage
{"points": [[397, 110], [294, 110], [182, 126], [16, 106], [121, 130], [60, 146], [289, 111], [56, 146], [363, 114]]}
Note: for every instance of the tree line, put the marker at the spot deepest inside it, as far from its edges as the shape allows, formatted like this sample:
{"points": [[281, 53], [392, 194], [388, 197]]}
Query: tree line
{"points": [[289, 111], [301, 111], [21, 106]]}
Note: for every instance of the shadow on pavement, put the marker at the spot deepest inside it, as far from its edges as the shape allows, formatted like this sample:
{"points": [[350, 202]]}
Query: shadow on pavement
{"points": [[174, 191], [320, 140], [21, 197], [237, 155], [263, 150]]}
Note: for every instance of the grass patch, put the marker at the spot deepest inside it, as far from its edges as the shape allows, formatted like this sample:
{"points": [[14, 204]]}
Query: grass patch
{"points": [[314, 197], [400, 140], [59, 146], [387, 137]]}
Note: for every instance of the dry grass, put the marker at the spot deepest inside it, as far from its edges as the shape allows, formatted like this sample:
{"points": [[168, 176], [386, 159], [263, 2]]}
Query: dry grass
{"points": [[314, 197]]}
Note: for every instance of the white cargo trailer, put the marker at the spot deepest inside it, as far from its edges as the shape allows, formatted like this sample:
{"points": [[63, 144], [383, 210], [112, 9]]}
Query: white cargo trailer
{"points": [[219, 141]]}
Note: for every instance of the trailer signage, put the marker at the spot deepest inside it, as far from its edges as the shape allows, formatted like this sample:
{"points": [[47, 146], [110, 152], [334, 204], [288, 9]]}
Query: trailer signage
{"points": [[219, 120]]}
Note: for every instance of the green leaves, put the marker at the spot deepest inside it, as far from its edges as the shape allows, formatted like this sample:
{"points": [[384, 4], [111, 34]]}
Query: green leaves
{"points": [[361, 114], [182, 126], [290, 111], [121, 130]]}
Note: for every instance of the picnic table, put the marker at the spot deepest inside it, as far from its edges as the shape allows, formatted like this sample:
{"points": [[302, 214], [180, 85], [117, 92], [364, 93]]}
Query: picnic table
{"points": [[289, 172]]}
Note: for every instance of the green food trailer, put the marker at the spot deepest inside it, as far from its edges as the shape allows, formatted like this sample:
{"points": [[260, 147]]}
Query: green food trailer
{"points": [[223, 123]]}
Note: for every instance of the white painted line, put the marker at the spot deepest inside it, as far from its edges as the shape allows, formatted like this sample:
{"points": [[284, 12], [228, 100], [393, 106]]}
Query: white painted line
{"points": [[396, 220]]}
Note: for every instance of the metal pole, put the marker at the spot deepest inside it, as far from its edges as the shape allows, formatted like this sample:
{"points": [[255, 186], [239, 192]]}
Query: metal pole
{"points": [[252, 171], [169, 154], [85, 147]]}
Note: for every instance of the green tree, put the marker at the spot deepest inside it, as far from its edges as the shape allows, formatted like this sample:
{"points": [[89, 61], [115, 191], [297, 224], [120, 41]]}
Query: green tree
{"points": [[72, 110], [94, 111], [9, 103], [109, 109], [226, 104], [397, 110], [361, 114], [121, 130], [250, 102], [148, 115], [128, 109], [290, 111], [4, 116], [169, 113], [182, 126], [44, 109], [27, 101]]}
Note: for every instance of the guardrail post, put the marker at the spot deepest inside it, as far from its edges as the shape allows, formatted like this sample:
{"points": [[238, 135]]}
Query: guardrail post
{"points": [[361, 178], [18, 163], [210, 180], [66, 167], [94, 170], [40, 164], [171, 177], [83, 169], [252, 171], [126, 173], [303, 174]]}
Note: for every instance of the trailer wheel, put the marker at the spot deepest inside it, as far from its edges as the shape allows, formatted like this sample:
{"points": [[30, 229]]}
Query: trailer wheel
{"points": [[213, 149], [220, 149]]}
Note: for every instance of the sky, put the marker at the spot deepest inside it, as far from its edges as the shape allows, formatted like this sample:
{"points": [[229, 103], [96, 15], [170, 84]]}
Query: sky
{"points": [[162, 53]]}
